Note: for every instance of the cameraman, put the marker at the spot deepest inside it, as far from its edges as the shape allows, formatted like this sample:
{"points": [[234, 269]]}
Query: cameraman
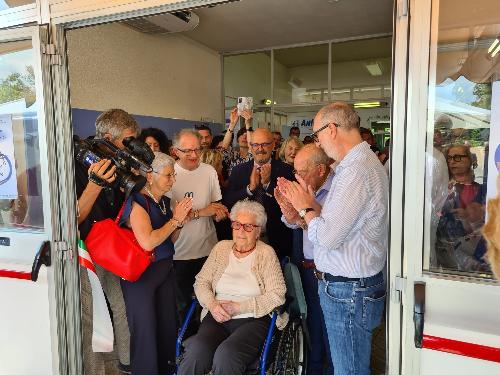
{"points": [[98, 199]]}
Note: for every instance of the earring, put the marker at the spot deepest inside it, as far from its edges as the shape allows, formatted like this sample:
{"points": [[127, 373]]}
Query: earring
{"points": [[150, 183]]}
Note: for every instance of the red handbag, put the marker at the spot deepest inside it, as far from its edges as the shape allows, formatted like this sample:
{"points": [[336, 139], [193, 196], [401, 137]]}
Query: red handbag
{"points": [[116, 249]]}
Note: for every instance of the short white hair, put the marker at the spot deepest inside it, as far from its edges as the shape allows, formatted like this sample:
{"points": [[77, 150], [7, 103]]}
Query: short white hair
{"points": [[161, 161], [250, 207]]}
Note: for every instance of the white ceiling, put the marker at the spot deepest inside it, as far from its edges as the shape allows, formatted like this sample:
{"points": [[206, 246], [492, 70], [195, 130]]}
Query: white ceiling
{"points": [[257, 24]]}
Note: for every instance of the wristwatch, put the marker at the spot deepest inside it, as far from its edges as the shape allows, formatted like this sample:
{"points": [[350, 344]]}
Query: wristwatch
{"points": [[304, 211]]}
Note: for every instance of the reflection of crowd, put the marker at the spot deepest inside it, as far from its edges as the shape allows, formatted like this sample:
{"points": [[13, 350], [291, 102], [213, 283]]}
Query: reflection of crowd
{"points": [[218, 219]]}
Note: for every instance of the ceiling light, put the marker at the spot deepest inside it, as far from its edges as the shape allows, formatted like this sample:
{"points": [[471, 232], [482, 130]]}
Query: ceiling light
{"points": [[493, 45], [374, 68], [367, 104], [494, 53]]}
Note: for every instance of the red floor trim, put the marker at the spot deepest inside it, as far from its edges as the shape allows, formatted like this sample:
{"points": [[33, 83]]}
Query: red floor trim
{"points": [[15, 274], [466, 349]]}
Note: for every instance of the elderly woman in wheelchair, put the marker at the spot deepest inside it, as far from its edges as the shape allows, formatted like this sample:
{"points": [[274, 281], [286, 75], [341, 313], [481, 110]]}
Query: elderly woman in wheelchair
{"points": [[240, 284]]}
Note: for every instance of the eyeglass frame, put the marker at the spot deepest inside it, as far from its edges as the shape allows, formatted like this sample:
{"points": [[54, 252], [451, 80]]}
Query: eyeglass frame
{"points": [[170, 175], [241, 225], [197, 151], [454, 157], [261, 145], [314, 135]]}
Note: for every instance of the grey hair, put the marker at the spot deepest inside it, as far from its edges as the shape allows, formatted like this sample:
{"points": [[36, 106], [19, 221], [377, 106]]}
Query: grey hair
{"points": [[161, 161], [250, 207], [177, 137], [316, 155], [114, 122], [341, 114]]}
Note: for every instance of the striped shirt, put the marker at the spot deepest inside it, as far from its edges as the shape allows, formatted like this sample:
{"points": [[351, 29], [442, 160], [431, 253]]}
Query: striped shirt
{"points": [[350, 235]]}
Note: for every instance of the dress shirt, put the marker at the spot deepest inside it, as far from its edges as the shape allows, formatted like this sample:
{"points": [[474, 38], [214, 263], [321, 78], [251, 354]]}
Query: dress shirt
{"points": [[350, 235], [320, 195]]}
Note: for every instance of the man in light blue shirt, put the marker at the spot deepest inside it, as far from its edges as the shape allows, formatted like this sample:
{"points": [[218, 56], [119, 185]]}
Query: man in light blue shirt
{"points": [[313, 165], [349, 233]]}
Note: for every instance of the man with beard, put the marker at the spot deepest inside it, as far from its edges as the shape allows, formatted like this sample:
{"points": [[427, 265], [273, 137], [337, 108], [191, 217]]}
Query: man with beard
{"points": [[206, 136], [256, 180], [349, 233]]}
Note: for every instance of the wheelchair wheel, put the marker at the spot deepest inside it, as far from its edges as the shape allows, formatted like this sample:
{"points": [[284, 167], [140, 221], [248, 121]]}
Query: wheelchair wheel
{"points": [[291, 354]]}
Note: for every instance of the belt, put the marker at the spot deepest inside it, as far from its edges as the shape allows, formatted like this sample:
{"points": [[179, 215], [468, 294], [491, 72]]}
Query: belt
{"points": [[331, 278], [308, 264]]}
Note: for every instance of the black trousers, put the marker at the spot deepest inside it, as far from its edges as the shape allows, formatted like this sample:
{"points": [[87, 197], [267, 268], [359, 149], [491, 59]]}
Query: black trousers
{"points": [[224, 348], [185, 273], [152, 319]]}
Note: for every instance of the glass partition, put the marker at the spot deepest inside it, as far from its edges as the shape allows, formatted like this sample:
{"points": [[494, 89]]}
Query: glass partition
{"points": [[301, 75], [20, 181], [463, 134], [8, 4]]}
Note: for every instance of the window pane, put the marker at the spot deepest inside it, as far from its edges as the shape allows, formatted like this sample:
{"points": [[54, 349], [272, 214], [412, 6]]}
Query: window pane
{"points": [[20, 182], [464, 77], [248, 75], [301, 75], [363, 67], [7, 4]]}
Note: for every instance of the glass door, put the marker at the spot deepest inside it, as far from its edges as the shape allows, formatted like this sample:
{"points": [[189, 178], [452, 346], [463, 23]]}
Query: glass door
{"points": [[451, 308], [28, 206]]}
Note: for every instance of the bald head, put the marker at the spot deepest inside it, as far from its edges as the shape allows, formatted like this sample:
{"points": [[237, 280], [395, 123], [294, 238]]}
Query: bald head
{"points": [[313, 165], [262, 145]]}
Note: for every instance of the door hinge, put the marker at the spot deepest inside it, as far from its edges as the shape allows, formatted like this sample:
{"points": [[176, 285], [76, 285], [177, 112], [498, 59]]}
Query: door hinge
{"points": [[398, 289], [50, 50], [64, 251]]}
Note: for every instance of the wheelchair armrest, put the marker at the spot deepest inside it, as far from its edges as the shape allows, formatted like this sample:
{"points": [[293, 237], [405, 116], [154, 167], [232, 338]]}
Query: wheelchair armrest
{"points": [[283, 308]]}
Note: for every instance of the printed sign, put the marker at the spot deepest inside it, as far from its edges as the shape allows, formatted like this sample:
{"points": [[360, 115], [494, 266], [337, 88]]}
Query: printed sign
{"points": [[8, 181]]}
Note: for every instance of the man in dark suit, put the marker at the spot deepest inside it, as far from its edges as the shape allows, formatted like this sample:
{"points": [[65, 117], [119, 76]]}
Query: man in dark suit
{"points": [[256, 180]]}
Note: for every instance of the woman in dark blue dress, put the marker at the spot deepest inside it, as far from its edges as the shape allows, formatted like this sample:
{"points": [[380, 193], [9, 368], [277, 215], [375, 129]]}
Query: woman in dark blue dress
{"points": [[150, 301]]}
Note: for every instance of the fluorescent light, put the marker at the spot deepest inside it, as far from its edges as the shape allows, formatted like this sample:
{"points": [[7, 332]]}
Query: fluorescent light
{"points": [[495, 42], [494, 53], [367, 104], [374, 68]]}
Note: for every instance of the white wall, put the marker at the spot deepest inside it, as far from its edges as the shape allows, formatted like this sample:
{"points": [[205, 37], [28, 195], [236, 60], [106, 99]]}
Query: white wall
{"points": [[113, 66]]}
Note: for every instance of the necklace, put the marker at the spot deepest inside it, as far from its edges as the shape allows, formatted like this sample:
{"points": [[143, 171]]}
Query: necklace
{"points": [[242, 252], [162, 207]]}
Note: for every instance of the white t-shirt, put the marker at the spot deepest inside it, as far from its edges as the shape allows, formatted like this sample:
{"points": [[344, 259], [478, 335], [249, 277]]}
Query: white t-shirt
{"points": [[197, 237], [238, 282]]}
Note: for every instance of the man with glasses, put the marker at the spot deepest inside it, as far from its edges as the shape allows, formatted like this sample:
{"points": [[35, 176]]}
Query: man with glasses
{"points": [[256, 180], [199, 181], [349, 233], [313, 166]]}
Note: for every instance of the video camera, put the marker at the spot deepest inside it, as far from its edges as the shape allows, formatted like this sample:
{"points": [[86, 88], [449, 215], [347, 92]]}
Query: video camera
{"points": [[136, 157]]}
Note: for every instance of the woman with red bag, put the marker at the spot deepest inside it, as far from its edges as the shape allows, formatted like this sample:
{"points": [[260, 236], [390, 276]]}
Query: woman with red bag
{"points": [[150, 301]]}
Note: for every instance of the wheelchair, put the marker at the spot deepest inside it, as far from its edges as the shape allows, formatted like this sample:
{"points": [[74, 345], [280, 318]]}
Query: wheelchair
{"points": [[284, 352]]}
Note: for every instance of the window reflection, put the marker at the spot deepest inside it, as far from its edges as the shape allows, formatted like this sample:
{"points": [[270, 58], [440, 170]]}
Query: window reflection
{"points": [[20, 189], [463, 73], [7, 4]]}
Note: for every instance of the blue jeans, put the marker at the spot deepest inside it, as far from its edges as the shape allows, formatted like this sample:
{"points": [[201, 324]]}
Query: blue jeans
{"points": [[352, 310]]}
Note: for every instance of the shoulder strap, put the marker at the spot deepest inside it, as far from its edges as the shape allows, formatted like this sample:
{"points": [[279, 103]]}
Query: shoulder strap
{"points": [[120, 213]]}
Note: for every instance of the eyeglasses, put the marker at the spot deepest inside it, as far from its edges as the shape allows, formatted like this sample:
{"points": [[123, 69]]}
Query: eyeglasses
{"points": [[169, 175], [314, 135], [263, 145], [236, 225], [457, 157], [303, 172], [197, 151]]}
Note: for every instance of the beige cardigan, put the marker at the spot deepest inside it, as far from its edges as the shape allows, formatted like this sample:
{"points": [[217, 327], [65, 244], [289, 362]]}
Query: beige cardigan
{"points": [[267, 270]]}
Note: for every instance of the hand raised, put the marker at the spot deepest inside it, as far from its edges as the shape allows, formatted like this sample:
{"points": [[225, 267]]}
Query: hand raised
{"points": [[233, 117], [182, 209], [265, 174], [254, 179]]}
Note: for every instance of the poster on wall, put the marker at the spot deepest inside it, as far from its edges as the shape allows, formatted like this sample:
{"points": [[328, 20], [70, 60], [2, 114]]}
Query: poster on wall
{"points": [[8, 181], [494, 143]]}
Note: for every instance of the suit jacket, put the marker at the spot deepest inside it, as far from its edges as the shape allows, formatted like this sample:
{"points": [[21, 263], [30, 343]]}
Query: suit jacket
{"points": [[280, 237]]}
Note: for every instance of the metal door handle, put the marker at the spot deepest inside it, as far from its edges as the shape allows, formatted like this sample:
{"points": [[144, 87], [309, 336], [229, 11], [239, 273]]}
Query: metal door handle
{"points": [[41, 257], [419, 312]]}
